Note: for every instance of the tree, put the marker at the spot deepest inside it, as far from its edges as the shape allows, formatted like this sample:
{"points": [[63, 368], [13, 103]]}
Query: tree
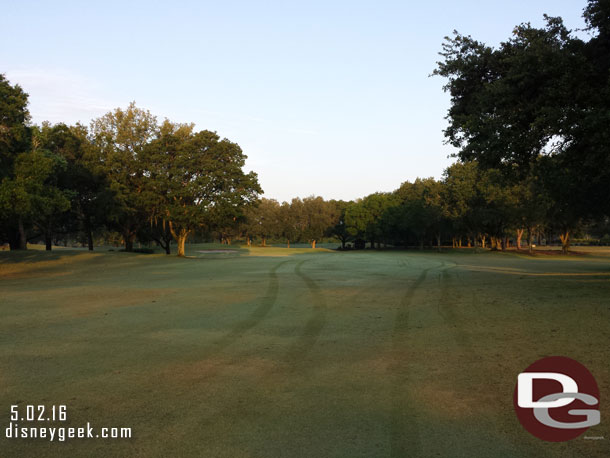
{"points": [[93, 200], [15, 139], [421, 210], [542, 94], [508, 105], [194, 179], [363, 216], [119, 138], [74, 176], [290, 220], [340, 229], [495, 206], [319, 218], [533, 207], [52, 199], [32, 193], [459, 194], [157, 231], [264, 220]]}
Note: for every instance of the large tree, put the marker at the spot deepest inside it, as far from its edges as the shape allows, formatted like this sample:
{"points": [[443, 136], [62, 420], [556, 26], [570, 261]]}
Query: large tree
{"points": [[93, 200], [195, 179], [75, 179], [543, 93], [120, 137], [15, 138], [32, 193]]}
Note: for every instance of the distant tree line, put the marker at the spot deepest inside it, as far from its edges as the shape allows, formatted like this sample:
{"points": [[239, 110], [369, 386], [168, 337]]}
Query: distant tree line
{"points": [[469, 207]]}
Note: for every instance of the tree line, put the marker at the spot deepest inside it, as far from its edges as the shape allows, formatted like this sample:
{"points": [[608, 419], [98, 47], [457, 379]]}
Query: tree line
{"points": [[529, 119], [126, 174], [470, 206]]}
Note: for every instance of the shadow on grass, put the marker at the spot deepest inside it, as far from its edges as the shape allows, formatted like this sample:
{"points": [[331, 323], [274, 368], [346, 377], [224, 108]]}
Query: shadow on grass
{"points": [[10, 257]]}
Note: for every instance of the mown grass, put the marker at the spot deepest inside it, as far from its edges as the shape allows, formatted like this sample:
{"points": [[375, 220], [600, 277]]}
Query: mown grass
{"points": [[296, 352]]}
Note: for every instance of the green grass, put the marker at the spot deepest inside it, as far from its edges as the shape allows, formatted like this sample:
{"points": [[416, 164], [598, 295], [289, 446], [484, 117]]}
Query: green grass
{"points": [[273, 352]]}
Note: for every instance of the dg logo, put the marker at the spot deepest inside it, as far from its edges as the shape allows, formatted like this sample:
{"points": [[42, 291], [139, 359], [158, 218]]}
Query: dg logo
{"points": [[557, 399]]}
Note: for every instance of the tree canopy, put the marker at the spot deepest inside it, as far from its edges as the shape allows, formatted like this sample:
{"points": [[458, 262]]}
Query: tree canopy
{"points": [[537, 106]]}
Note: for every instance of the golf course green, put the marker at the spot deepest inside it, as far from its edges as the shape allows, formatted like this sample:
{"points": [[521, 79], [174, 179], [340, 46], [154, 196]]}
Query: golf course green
{"points": [[275, 352]]}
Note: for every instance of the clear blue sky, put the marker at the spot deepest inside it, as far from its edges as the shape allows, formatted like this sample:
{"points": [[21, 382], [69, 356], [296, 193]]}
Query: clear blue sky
{"points": [[326, 98]]}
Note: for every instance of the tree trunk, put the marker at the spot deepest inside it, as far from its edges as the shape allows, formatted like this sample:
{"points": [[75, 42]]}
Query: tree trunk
{"points": [[13, 241], [519, 236], [167, 245], [494, 244], [504, 243], [483, 238], [48, 241], [89, 237], [264, 241], [343, 244], [530, 247], [565, 242], [313, 244], [421, 244], [23, 242], [164, 243], [287, 243], [129, 237], [181, 239], [248, 241], [438, 242]]}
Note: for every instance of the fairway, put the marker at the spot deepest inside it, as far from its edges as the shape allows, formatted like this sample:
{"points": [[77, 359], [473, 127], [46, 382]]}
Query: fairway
{"points": [[297, 352]]}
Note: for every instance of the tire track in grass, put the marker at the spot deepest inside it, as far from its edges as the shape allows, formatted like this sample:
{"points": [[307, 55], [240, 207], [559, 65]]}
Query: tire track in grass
{"points": [[405, 440], [313, 328], [466, 354], [266, 303], [257, 315], [249, 400], [448, 313]]}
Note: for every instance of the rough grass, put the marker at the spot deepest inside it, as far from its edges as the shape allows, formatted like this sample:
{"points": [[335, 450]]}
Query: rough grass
{"points": [[276, 352]]}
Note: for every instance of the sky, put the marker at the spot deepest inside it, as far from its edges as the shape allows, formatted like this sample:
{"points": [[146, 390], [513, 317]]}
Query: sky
{"points": [[330, 98]]}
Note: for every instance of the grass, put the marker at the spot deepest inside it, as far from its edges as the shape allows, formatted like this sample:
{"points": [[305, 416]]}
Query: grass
{"points": [[267, 352]]}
